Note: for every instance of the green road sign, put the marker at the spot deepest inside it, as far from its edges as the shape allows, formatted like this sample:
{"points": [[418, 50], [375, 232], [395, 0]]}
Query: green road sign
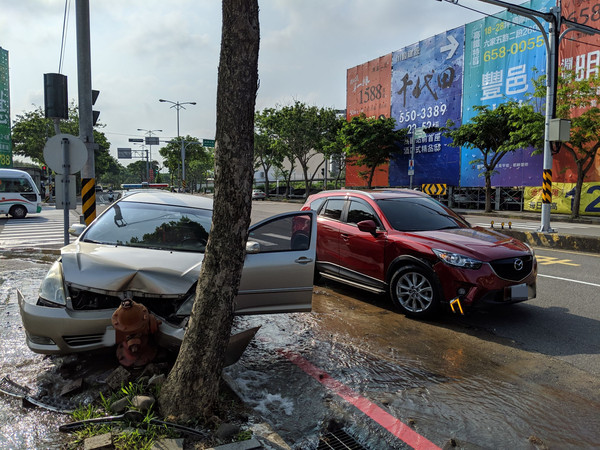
{"points": [[208, 142]]}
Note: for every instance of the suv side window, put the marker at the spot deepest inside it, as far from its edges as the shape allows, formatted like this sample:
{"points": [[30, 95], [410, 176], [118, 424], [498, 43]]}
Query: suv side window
{"points": [[358, 212], [316, 205], [333, 208]]}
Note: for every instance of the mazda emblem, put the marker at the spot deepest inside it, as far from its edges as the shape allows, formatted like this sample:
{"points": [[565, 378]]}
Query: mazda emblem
{"points": [[518, 264]]}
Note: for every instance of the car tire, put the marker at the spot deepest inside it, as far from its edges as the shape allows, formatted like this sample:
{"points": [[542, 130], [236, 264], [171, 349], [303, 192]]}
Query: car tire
{"points": [[415, 291], [18, 212]]}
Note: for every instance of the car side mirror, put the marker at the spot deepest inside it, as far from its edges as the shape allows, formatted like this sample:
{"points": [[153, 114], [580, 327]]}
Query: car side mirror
{"points": [[368, 226], [76, 229], [252, 247]]}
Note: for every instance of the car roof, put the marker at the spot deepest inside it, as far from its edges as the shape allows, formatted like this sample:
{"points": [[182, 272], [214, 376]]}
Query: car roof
{"points": [[168, 198], [376, 194]]}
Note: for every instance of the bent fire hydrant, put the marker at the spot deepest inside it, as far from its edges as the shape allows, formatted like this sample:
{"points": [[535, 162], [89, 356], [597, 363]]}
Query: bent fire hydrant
{"points": [[133, 326]]}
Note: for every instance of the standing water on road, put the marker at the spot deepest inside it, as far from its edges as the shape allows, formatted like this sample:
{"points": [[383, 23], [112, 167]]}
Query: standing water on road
{"points": [[22, 427], [450, 386]]}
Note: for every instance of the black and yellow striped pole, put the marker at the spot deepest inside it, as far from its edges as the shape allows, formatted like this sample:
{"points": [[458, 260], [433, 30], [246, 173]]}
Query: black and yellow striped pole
{"points": [[88, 199], [547, 187]]}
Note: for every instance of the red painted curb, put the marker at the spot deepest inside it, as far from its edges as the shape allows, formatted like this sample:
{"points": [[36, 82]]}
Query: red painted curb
{"points": [[383, 418]]}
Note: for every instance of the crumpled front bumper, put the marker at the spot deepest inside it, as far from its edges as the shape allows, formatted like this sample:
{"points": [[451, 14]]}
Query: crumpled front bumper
{"points": [[59, 330]]}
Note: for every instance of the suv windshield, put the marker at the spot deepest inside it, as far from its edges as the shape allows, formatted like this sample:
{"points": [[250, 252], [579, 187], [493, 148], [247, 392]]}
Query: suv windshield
{"points": [[147, 225], [419, 214]]}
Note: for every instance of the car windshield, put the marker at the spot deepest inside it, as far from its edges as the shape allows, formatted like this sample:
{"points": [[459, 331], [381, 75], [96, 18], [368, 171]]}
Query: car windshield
{"points": [[147, 225], [419, 214]]}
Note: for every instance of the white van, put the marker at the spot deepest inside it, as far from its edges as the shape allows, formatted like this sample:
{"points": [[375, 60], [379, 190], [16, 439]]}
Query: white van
{"points": [[18, 194]]}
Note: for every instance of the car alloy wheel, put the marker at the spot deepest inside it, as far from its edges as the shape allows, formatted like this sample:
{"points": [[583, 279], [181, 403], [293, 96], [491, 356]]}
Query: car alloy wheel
{"points": [[414, 290]]}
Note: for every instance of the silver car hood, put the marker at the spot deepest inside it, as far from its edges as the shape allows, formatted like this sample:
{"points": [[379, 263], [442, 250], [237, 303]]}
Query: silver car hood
{"points": [[116, 269]]}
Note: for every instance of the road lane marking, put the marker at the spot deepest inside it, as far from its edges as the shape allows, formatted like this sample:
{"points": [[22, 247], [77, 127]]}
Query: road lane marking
{"points": [[546, 260], [568, 279], [383, 418]]}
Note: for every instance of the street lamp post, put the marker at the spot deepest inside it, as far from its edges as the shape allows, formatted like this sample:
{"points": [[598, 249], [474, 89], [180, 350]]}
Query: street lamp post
{"points": [[149, 157], [178, 106]]}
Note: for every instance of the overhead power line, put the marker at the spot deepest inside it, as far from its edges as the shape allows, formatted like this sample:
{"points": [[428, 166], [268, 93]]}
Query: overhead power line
{"points": [[64, 35]]}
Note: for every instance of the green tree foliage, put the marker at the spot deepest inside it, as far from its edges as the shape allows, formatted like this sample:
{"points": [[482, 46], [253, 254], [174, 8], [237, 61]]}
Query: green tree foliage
{"points": [[194, 151], [495, 132], [136, 172], [576, 100], [300, 132], [370, 141], [267, 154], [199, 170], [32, 129]]}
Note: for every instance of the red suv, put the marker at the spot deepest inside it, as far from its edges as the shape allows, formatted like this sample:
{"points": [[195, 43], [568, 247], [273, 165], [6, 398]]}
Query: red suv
{"points": [[423, 254]]}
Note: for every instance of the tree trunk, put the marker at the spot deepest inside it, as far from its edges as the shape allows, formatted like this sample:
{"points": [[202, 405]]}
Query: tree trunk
{"points": [[192, 387], [307, 182], [488, 193], [370, 179], [578, 188]]}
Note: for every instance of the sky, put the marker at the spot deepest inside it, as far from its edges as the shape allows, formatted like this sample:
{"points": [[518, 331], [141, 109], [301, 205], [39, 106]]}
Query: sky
{"points": [[145, 50]]}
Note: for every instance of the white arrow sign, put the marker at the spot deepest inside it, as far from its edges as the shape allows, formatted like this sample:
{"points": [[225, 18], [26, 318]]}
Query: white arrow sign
{"points": [[452, 46]]}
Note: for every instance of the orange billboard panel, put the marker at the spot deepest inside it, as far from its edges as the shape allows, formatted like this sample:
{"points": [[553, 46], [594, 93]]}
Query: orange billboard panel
{"points": [[368, 89], [579, 53]]}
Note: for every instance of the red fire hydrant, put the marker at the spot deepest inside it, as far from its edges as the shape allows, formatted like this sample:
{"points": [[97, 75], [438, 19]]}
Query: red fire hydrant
{"points": [[134, 326]]}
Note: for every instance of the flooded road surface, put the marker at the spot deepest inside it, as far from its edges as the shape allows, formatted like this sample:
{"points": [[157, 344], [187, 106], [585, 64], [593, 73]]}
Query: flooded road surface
{"points": [[388, 381], [363, 366], [22, 427]]}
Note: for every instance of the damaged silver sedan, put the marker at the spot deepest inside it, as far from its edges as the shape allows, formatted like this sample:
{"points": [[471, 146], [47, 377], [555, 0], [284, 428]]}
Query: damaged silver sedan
{"points": [[148, 248]]}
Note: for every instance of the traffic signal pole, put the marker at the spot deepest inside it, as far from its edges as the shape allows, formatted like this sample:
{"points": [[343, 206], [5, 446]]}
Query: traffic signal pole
{"points": [[86, 119], [551, 39]]}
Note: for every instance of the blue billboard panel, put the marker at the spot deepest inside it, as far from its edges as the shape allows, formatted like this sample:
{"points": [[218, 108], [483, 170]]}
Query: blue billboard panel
{"points": [[427, 80], [504, 53]]}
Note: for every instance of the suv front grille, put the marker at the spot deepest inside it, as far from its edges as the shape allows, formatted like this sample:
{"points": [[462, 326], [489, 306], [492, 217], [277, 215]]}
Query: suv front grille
{"points": [[507, 268]]}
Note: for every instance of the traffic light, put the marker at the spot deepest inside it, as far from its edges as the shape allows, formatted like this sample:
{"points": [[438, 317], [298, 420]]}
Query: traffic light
{"points": [[56, 103]]}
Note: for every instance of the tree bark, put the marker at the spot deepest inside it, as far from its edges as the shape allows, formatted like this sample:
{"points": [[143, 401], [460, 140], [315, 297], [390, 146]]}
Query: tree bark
{"points": [[192, 387], [488, 193]]}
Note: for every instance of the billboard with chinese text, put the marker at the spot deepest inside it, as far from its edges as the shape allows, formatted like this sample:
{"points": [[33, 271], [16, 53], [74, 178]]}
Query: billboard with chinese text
{"points": [[579, 53], [368, 92], [427, 80], [5, 141], [562, 198], [503, 54]]}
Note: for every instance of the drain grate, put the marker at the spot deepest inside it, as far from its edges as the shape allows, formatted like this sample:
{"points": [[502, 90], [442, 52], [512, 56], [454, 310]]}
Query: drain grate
{"points": [[338, 440]]}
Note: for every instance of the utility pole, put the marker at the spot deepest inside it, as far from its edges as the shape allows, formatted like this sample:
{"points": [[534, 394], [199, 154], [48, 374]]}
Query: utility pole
{"points": [[179, 105], [551, 39], [86, 119], [149, 141]]}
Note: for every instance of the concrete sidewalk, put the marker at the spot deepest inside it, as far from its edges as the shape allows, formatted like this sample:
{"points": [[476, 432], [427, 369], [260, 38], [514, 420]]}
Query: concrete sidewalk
{"points": [[581, 241]]}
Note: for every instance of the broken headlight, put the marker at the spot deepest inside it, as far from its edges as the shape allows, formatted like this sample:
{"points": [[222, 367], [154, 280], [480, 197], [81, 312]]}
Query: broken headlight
{"points": [[52, 288]]}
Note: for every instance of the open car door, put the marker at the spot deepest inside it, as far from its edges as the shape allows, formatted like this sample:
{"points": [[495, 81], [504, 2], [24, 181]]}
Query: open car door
{"points": [[279, 266]]}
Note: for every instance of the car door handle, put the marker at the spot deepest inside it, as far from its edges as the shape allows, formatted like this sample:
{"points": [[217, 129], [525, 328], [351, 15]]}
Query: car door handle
{"points": [[303, 260]]}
